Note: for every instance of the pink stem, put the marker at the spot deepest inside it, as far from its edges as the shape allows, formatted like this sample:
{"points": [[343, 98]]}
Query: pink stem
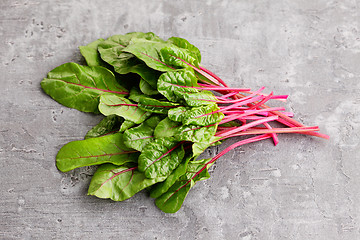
{"points": [[274, 136], [246, 126]]}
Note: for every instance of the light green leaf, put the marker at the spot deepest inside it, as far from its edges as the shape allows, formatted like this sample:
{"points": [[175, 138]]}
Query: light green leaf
{"points": [[140, 136], [183, 43], [91, 54], [160, 157], [173, 85], [178, 57], [193, 133], [166, 128], [119, 182], [203, 116], [80, 87], [94, 151], [178, 114], [112, 104]]}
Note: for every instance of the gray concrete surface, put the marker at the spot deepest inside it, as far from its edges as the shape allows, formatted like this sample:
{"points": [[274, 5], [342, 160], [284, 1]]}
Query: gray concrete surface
{"points": [[305, 188]]}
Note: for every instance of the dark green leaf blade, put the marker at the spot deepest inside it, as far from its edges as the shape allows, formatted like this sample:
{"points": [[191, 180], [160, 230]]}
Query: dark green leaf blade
{"points": [[156, 106], [80, 87], [94, 151], [147, 89], [112, 104], [119, 182], [160, 157], [91, 54], [149, 52], [162, 187], [110, 124], [171, 201]]}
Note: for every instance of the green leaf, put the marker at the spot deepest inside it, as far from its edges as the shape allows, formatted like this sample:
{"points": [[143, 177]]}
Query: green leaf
{"points": [[203, 116], [147, 74], [194, 133], [178, 57], [171, 201], [91, 54], [119, 182], [149, 52], [80, 87], [183, 43], [112, 104], [199, 147], [166, 128], [160, 157], [173, 85], [141, 135], [147, 88], [135, 94], [111, 50], [94, 151], [178, 114], [200, 99], [155, 106], [110, 124], [126, 125], [162, 187]]}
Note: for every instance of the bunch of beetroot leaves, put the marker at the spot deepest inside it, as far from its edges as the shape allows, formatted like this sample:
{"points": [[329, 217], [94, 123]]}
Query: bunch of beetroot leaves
{"points": [[162, 110]]}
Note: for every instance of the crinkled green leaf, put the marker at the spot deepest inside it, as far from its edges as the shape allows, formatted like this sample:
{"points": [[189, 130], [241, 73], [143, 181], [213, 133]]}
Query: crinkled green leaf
{"points": [[111, 51], [119, 182], [160, 157], [178, 114], [173, 85], [199, 147], [126, 125], [146, 88], [162, 187], [80, 87], [155, 106], [172, 200], [166, 128], [203, 116], [183, 43], [193, 133], [94, 151], [138, 137], [110, 124], [91, 54], [178, 57], [200, 99], [112, 104]]}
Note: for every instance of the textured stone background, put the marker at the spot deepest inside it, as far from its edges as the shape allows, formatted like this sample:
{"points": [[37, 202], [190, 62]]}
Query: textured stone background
{"points": [[305, 188]]}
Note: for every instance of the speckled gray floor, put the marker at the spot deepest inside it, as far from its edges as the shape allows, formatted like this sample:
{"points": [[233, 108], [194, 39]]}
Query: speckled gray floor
{"points": [[305, 188]]}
